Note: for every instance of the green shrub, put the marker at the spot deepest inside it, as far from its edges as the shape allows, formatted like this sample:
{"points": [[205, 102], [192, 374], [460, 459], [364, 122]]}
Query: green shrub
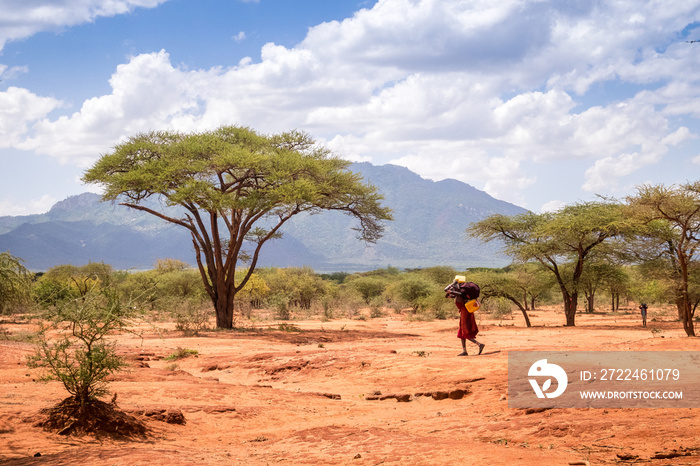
{"points": [[497, 308], [82, 359], [411, 290], [349, 301], [327, 309], [15, 284], [181, 353], [285, 327], [191, 316], [280, 304], [375, 307], [369, 287]]}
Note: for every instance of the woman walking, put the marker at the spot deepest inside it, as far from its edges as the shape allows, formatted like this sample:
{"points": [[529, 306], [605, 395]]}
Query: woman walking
{"points": [[466, 296]]}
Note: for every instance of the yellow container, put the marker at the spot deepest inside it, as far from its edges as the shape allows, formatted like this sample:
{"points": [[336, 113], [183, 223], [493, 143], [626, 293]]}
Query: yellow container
{"points": [[472, 306], [460, 278]]}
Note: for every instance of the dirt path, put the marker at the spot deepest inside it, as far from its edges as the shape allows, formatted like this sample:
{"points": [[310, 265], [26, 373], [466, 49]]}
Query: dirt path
{"points": [[345, 392]]}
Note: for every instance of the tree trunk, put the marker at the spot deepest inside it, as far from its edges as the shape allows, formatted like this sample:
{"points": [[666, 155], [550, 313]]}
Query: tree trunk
{"points": [[527, 318], [684, 308], [685, 311], [591, 302], [570, 302], [224, 309], [522, 309]]}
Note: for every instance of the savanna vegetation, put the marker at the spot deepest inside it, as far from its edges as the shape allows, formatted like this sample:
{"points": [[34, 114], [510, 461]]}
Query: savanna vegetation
{"points": [[607, 255], [612, 255], [235, 189], [589, 257], [646, 248], [173, 291]]}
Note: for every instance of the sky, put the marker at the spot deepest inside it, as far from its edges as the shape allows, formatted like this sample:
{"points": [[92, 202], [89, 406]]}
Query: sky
{"points": [[541, 103]]}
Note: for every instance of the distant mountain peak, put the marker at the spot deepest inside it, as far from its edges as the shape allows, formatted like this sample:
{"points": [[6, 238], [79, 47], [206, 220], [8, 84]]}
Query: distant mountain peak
{"points": [[79, 201], [429, 228]]}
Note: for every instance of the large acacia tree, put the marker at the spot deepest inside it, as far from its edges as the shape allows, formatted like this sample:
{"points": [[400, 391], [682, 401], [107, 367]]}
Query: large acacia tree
{"points": [[561, 241], [237, 188], [672, 217]]}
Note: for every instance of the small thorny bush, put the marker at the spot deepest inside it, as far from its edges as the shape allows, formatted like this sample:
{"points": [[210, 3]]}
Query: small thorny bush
{"points": [[73, 348]]}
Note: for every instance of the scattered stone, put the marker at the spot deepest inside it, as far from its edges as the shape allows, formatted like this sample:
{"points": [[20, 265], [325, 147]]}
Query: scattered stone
{"points": [[170, 416], [457, 394], [36, 455], [664, 455], [332, 396], [219, 409], [627, 456], [357, 457], [175, 417], [477, 379]]}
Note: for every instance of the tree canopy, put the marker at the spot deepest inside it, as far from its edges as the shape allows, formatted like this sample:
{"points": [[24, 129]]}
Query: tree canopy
{"points": [[236, 188], [672, 233], [568, 235]]}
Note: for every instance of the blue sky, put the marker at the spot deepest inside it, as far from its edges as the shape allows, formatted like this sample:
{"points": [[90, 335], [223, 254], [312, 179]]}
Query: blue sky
{"points": [[540, 103]]}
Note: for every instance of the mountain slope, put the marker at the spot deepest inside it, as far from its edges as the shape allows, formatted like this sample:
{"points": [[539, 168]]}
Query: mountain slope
{"points": [[429, 225]]}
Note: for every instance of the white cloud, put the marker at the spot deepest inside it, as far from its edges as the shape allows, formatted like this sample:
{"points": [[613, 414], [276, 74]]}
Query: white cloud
{"points": [[603, 176], [240, 36], [552, 206], [11, 73], [18, 108], [448, 88], [34, 206], [23, 19]]}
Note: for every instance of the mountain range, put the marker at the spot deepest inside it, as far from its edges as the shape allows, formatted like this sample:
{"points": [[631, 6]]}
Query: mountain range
{"points": [[429, 228]]}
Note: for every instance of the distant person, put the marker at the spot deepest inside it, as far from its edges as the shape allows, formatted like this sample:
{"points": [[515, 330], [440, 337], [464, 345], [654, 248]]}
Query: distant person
{"points": [[466, 296], [643, 309]]}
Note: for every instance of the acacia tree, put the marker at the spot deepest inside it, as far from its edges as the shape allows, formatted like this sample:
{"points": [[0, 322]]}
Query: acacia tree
{"points": [[672, 216], [532, 279], [506, 285], [597, 274], [237, 188], [554, 239]]}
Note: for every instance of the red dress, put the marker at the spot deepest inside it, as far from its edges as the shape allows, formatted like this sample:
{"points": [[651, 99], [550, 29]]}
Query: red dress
{"points": [[467, 322]]}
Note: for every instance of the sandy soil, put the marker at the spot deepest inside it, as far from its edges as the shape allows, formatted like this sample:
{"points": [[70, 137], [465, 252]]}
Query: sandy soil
{"points": [[329, 394]]}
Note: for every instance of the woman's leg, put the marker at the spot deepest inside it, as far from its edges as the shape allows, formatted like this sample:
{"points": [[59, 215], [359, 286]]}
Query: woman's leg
{"points": [[464, 348], [480, 345]]}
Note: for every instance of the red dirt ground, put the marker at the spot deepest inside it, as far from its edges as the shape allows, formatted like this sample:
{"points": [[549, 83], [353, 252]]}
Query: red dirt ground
{"points": [[267, 396]]}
